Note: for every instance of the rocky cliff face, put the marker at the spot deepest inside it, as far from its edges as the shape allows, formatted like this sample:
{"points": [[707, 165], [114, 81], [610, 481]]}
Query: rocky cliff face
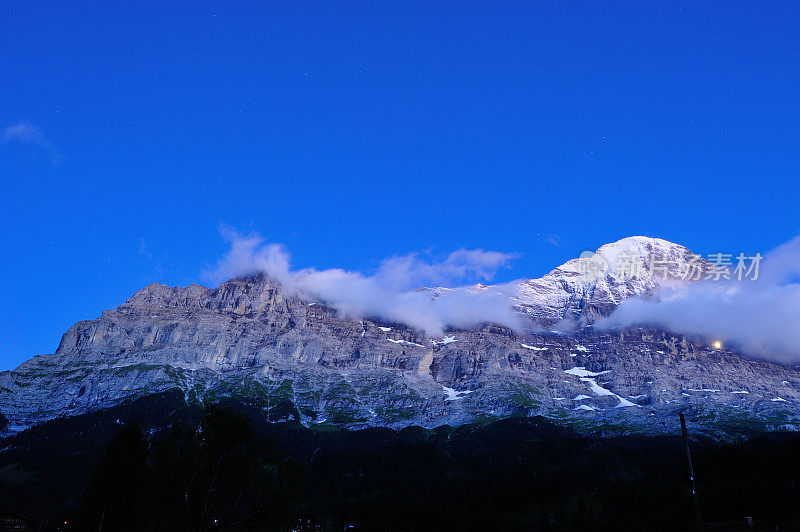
{"points": [[299, 360]]}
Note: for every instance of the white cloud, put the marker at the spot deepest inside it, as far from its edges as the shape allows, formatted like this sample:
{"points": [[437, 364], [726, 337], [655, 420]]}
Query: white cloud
{"points": [[27, 133]]}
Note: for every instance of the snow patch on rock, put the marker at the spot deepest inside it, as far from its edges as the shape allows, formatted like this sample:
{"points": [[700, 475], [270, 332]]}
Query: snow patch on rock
{"points": [[455, 395], [533, 348]]}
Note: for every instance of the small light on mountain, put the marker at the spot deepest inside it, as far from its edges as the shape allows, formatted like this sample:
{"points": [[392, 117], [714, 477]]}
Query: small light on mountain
{"points": [[716, 344]]}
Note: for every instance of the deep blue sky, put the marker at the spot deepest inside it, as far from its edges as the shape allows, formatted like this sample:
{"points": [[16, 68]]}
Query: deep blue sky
{"points": [[354, 132]]}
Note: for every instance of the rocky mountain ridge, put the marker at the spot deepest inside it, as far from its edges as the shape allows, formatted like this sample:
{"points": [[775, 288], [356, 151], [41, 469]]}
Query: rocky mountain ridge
{"points": [[299, 360]]}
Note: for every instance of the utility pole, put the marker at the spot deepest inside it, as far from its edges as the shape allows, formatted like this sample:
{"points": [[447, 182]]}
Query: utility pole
{"points": [[691, 473]]}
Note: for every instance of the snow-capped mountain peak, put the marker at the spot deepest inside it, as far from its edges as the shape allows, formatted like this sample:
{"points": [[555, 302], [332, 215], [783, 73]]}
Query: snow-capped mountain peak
{"points": [[592, 285]]}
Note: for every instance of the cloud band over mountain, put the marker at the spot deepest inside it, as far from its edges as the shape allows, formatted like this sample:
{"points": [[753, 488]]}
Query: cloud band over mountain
{"points": [[392, 292], [758, 318]]}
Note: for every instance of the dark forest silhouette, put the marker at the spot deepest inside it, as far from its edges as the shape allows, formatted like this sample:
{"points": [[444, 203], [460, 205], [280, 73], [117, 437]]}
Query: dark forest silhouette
{"points": [[160, 464]]}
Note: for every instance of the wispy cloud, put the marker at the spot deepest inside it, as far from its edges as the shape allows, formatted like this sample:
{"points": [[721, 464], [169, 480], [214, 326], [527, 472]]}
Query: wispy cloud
{"points": [[144, 251], [391, 292], [27, 133], [554, 240]]}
